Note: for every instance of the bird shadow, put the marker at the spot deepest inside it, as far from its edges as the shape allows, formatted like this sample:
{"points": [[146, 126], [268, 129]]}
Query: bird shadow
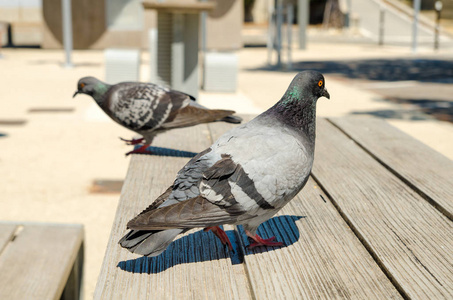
{"points": [[160, 151], [204, 246], [423, 70], [415, 110]]}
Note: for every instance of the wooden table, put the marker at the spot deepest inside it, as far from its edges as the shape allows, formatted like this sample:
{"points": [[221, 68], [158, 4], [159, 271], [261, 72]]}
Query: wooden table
{"points": [[373, 222], [40, 261]]}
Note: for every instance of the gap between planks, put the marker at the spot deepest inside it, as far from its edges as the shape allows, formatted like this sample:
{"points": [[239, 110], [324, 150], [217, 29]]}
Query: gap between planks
{"points": [[364, 242], [8, 238]]}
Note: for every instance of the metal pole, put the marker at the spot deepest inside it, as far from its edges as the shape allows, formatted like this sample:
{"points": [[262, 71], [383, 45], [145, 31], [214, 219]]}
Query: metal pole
{"points": [[289, 26], [438, 8], [381, 25], [67, 31], [279, 33], [153, 38], [415, 25], [270, 32], [347, 16], [203, 18], [302, 18]]}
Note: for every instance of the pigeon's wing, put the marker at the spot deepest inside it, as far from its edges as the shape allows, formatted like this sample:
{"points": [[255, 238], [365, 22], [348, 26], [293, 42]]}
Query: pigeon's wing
{"points": [[186, 183], [144, 106], [196, 211], [194, 114]]}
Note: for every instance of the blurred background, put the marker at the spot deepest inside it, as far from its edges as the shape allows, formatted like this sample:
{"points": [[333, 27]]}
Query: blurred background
{"points": [[61, 159]]}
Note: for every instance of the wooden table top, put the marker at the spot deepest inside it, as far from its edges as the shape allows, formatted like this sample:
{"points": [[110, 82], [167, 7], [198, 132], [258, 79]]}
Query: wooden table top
{"points": [[40, 260], [373, 222]]}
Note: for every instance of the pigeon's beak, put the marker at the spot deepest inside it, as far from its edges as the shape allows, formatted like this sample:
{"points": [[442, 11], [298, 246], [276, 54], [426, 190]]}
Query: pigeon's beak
{"points": [[325, 93], [75, 94]]}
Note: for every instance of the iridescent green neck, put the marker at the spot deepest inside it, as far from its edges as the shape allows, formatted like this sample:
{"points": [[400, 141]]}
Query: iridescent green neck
{"points": [[291, 97], [297, 111], [99, 91]]}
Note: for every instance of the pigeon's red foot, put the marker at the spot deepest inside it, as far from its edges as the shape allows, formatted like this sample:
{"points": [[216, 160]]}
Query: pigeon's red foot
{"points": [[141, 150], [221, 235], [133, 141], [258, 241]]}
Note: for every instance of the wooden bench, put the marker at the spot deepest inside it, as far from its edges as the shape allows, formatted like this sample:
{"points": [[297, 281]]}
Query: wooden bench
{"points": [[373, 222], [40, 261]]}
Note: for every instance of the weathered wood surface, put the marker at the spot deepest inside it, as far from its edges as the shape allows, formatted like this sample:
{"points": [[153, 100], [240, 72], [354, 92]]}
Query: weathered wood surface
{"points": [[37, 259], [357, 232], [409, 238], [426, 170]]}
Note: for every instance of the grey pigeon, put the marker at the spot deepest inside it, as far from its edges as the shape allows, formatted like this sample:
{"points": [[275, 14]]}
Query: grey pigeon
{"points": [[244, 178], [149, 109]]}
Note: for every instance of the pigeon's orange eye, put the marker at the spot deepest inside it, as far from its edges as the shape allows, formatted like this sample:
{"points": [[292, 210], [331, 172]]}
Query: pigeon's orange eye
{"points": [[82, 85], [320, 83]]}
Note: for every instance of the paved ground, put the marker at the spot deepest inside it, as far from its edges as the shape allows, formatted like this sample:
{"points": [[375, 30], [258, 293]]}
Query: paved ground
{"points": [[50, 158]]}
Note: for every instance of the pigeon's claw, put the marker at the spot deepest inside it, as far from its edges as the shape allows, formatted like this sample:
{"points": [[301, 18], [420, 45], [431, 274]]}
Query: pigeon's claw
{"points": [[259, 241], [141, 150], [221, 235], [132, 141]]}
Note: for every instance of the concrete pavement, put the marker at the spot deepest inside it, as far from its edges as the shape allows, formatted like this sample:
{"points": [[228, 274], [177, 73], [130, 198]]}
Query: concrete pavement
{"points": [[48, 164]]}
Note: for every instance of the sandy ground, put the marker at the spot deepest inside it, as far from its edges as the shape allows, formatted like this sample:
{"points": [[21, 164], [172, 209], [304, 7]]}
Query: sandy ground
{"points": [[48, 164]]}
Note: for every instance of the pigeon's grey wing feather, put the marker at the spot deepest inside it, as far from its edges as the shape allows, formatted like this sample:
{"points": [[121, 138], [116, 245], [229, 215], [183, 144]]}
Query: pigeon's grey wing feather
{"points": [[144, 106], [154, 242], [228, 119], [159, 201], [186, 184], [195, 212], [191, 115], [135, 105], [149, 243]]}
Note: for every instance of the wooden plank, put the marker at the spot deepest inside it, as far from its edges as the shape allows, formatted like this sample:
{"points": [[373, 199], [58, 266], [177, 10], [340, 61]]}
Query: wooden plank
{"points": [[323, 258], [6, 234], [427, 171], [195, 266], [37, 263], [410, 240]]}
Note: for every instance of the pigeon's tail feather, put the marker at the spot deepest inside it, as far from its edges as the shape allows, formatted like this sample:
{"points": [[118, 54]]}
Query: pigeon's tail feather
{"points": [[149, 242], [232, 119]]}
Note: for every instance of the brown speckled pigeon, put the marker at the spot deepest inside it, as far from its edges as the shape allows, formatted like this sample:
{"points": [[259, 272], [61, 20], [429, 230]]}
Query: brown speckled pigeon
{"points": [[149, 109]]}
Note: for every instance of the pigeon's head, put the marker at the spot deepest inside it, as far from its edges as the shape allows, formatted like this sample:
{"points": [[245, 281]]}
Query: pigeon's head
{"points": [[307, 87], [90, 86]]}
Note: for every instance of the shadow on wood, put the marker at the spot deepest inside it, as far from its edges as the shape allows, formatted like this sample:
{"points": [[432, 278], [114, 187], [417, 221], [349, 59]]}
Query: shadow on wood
{"points": [[204, 246], [160, 151]]}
